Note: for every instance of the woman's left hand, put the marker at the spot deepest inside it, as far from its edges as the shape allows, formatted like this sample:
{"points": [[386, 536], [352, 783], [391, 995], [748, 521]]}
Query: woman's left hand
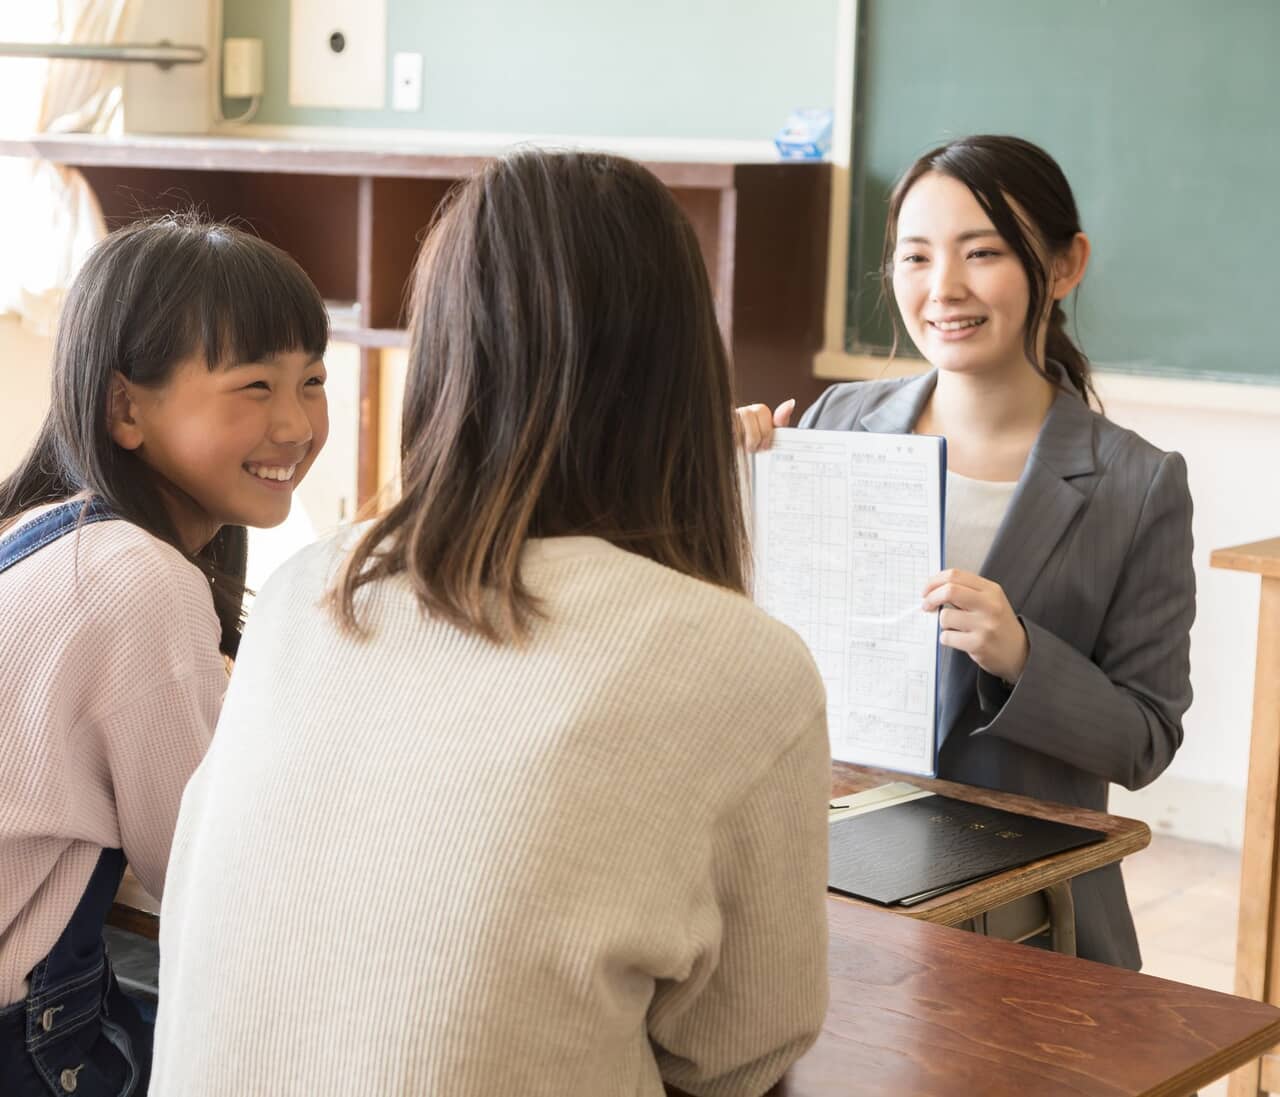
{"points": [[976, 618]]}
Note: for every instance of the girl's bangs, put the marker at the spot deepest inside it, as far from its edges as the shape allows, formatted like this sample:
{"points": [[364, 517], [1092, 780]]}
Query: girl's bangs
{"points": [[252, 303]]}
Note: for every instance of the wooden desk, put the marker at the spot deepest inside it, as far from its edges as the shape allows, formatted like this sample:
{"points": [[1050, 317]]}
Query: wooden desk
{"points": [[1124, 836], [1258, 933], [135, 909], [926, 1011], [923, 1010]]}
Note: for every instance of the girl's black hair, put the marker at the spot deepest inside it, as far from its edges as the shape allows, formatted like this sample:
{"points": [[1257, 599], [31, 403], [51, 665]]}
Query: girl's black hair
{"points": [[997, 169], [149, 296]]}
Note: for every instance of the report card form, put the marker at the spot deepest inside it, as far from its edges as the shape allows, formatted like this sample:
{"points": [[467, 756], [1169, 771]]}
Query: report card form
{"points": [[846, 528]]}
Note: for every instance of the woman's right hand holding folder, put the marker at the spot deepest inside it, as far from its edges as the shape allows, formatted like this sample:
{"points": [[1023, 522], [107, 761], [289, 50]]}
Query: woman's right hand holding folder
{"points": [[756, 423]]}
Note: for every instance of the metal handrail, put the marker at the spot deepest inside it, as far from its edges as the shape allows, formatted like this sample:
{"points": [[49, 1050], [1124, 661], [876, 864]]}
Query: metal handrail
{"points": [[163, 53]]}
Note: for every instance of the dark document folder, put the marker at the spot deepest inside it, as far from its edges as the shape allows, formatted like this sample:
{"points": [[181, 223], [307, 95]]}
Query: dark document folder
{"points": [[908, 852]]}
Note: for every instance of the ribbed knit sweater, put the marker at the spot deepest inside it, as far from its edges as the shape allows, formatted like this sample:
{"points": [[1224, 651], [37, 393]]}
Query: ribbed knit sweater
{"points": [[110, 683], [423, 863]]}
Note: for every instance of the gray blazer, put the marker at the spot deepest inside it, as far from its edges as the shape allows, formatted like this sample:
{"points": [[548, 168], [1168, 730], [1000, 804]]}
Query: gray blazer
{"points": [[1094, 556]]}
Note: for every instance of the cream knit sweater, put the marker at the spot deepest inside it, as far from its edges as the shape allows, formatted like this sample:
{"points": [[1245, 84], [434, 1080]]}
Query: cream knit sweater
{"points": [[110, 683], [421, 863]]}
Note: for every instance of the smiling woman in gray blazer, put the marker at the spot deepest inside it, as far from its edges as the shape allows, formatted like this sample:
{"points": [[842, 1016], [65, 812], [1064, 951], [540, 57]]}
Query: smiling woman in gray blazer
{"points": [[1067, 605]]}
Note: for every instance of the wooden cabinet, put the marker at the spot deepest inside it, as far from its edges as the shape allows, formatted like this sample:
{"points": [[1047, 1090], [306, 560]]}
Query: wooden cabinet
{"points": [[353, 216]]}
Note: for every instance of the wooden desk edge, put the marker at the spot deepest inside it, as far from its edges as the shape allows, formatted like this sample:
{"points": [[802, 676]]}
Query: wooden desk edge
{"points": [[134, 920], [1220, 1065], [1114, 826], [1259, 557]]}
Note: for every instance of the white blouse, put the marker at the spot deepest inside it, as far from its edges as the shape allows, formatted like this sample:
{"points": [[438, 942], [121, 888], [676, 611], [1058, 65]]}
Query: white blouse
{"points": [[975, 509]]}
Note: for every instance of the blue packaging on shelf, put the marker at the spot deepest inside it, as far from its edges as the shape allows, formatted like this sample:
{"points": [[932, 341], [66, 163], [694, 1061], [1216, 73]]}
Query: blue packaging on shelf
{"points": [[806, 136]]}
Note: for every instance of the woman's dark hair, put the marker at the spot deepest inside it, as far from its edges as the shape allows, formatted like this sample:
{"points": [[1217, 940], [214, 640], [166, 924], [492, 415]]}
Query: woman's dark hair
{"points": [[566, 376], [996, 170], [149, 296]]}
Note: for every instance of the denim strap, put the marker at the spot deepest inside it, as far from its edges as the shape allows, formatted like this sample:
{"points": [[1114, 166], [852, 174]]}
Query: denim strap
{"points": [[62, 519]]}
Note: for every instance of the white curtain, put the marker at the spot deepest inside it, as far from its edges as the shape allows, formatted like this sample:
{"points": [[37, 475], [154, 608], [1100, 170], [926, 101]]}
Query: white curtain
{"points": [[49, 217]]}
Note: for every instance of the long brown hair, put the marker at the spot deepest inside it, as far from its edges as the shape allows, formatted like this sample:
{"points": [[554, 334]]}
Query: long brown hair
{"points": [[149, 296], [566, 376], [997, 169]]}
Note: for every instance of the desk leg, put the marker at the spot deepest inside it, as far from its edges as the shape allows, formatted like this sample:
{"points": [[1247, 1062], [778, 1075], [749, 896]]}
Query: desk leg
{"points": [[1257, 955]]}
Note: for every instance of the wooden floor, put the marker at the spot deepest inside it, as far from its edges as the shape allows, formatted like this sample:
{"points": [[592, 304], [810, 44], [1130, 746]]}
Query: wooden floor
{"points": [[1184, 897]]}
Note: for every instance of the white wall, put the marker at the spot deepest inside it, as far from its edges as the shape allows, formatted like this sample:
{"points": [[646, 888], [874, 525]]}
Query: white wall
{"points": [[713, 69]]}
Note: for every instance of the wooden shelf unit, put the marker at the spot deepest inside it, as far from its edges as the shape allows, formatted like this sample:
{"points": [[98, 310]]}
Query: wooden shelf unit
{"points": [[354, 214]]}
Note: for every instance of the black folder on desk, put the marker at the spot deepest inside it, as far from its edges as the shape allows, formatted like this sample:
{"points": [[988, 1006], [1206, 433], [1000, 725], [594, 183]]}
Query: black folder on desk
{"points": [[910, 851]]}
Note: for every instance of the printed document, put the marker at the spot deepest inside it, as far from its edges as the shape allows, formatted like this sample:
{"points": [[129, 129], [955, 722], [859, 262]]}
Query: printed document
{"points": [[846, 528]]}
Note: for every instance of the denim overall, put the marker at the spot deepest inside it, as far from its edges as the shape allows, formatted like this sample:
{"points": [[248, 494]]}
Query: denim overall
{"points": [[75, 1032]]}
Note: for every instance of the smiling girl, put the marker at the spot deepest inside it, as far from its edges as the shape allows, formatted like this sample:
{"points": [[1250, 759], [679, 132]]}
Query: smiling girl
{"points": [[188, 402], [1066, 610]]}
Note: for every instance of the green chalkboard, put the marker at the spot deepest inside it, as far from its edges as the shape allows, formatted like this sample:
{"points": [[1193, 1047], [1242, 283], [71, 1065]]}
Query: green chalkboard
{"points": [[1165, 116]]}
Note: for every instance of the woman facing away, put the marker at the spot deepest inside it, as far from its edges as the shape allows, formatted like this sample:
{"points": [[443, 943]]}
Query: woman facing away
{"points": [[1066, 608], [516, 791], [188, 402]]}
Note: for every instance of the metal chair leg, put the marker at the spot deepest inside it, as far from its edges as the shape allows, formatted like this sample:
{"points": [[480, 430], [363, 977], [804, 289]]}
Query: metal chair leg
{"points": [[1062, 918]]}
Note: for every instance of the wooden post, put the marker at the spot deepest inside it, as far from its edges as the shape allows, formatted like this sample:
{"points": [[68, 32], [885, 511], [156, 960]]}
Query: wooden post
{"points": [[1258, 935]]}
